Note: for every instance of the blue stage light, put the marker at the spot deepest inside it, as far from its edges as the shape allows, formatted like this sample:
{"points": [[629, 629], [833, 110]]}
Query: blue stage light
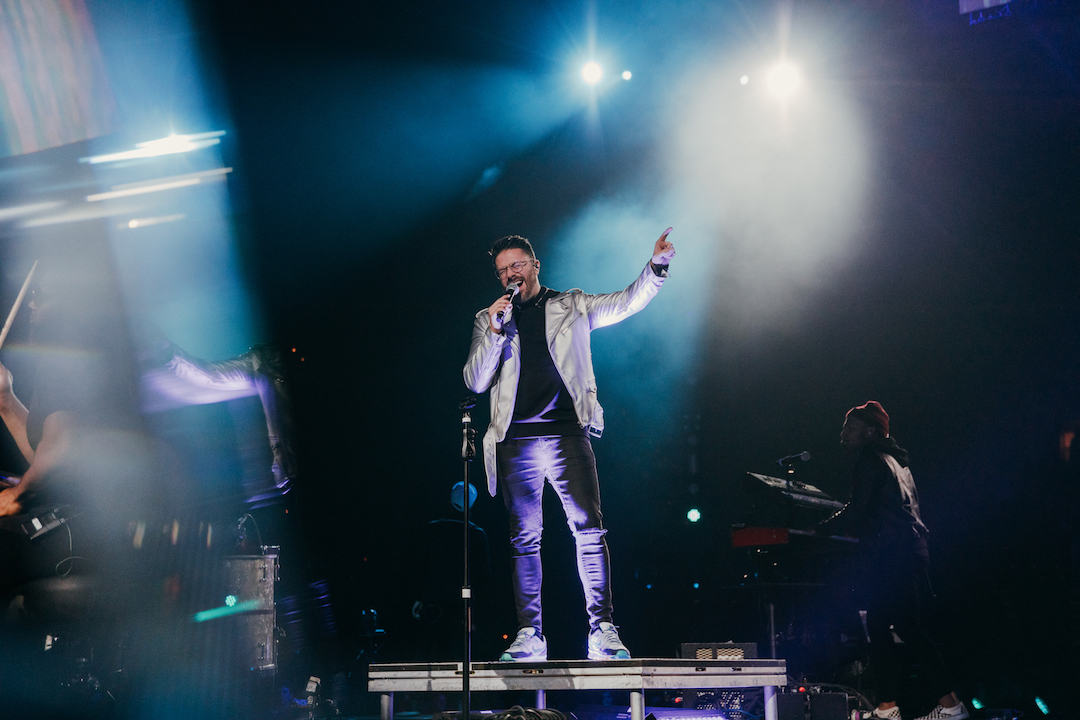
{"points": [[976, 703], [1042, 706]]}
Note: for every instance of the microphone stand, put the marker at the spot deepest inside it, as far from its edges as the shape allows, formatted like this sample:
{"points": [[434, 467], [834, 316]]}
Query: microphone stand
{"points": [[468, 452]]}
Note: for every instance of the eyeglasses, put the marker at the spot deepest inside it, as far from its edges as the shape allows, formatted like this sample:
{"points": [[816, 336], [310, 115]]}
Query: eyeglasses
{"points": [[515, 266]]}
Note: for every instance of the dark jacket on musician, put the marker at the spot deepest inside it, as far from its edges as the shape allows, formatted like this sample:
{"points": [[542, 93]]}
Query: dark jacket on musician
{"points": [[883, 512]]}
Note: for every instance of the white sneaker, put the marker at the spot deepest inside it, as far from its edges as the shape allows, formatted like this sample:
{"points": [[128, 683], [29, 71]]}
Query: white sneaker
{"points": [[604, 644], [529, 645], [956, 712], [892, 713]]}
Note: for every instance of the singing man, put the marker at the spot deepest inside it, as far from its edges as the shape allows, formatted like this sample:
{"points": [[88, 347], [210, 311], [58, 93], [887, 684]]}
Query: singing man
{"points": [[531, 349]]}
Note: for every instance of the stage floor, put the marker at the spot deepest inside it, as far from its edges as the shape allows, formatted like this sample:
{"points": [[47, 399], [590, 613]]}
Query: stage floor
{"points": [[635, 676]]}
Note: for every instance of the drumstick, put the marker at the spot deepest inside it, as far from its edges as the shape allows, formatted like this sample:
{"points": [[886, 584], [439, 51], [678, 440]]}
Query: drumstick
{"points": [[18, 302]]}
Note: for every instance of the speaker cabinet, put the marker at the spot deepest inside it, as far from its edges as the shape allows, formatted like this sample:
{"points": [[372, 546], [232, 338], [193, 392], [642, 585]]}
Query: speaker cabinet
{"points": [[791, 706], [249, 583], [829, 706]]}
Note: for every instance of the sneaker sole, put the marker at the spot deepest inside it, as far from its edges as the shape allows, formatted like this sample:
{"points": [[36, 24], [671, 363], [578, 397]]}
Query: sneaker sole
{"points": [[535, 658], [621, 655]]}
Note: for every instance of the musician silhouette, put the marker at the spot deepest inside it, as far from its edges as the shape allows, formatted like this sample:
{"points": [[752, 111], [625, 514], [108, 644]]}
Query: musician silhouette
{"points": [[893, 582]]}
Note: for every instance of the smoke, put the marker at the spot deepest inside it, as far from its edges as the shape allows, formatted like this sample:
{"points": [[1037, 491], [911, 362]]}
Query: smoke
{"points": [[767, 198], [778, 188]]}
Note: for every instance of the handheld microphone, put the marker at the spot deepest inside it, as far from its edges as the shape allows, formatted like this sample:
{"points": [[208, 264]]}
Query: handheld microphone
{"points": [[785, 461], [512, 289]]}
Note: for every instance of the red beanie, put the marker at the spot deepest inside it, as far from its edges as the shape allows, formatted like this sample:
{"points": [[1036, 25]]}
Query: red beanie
{"points": [[872, 414]]}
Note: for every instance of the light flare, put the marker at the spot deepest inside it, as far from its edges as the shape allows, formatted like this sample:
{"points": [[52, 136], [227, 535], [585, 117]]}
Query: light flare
{"points": [[170, 145], [592, 73]]}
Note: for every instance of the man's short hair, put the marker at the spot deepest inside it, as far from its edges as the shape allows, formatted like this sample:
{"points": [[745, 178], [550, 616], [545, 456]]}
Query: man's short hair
{"points": [[509, 242]]}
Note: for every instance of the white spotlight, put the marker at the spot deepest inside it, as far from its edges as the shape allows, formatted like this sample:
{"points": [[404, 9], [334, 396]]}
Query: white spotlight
{"points": [[626, 75], [783, 79], [592, 72], [744, 79]]}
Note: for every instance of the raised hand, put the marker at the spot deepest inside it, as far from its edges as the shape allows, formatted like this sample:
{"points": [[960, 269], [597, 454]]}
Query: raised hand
{"points": [[663, 251]]}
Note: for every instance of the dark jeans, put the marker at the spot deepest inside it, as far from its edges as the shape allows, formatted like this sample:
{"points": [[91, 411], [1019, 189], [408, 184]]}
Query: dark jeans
{"points": [[569, 465], [894, 596]]}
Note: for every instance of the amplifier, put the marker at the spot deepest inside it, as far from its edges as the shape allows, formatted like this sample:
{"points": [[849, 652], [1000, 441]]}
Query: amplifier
{"points": [[791, 706], [718, 651], [249, 581], [747, 701], [828, 706]]}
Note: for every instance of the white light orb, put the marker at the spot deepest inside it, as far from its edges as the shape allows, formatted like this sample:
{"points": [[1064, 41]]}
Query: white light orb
{"points": [[592, 73], [783, 79]]}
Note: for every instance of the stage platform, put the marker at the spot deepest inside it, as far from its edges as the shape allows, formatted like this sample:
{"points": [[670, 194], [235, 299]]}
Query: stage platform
{"points": [[636, 676]]}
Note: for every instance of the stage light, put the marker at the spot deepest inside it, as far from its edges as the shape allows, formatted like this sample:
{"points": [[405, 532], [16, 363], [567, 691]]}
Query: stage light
{"points": [[783, 79], [744, 79], [1042, 706], [626, 75], [648, 586], [693, 515], [160, 184], [144, 222], [697, 585], [976, 703], [592, 73], [163, 146], [13, 212]]}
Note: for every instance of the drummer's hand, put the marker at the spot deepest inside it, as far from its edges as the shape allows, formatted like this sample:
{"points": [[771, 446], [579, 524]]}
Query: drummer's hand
{"points": [[9, 501], [5, 382]]}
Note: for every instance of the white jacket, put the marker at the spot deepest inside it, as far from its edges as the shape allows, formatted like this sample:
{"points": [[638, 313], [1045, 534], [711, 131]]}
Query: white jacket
{"points": [[494, 360]]}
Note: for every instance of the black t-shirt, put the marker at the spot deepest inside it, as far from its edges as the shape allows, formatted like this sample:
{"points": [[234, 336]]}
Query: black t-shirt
{"points": [[543, 406]]}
